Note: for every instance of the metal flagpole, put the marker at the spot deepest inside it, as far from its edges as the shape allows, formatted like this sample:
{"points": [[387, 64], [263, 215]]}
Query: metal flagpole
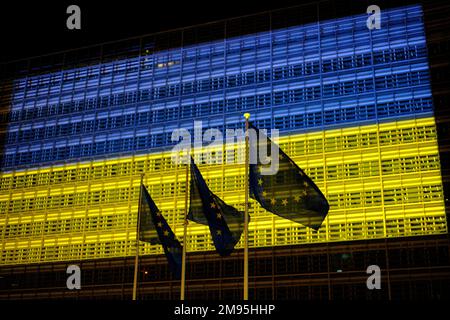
{"points": [[138, 227], [183, 259], [247, 116]]}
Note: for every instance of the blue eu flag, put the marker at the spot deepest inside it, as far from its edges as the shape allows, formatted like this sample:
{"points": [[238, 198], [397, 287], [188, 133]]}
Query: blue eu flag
{"points": [[153, 228], [226, 224], [289, 193]]}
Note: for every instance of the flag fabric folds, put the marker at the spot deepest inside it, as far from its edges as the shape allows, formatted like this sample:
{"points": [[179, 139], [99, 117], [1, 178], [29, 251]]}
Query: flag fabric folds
{"points": [[153, 228], [226, 223], [289, 193]]}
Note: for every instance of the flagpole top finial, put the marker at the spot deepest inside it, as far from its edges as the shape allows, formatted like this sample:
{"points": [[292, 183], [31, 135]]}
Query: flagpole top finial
{"points": [[247, 115]]}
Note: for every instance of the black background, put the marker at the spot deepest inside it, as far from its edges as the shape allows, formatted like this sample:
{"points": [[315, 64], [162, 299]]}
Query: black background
{"points": [[30, 29]]}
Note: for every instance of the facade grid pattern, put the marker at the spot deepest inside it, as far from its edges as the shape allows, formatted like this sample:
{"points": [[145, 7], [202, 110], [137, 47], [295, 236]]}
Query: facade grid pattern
{"points": [[354, 108]]}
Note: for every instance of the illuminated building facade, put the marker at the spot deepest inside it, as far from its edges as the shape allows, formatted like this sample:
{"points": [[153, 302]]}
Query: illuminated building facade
{"points": [[355, 110]]}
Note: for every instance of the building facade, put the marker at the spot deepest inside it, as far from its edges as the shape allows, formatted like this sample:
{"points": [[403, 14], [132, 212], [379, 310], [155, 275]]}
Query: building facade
{"points": [[362, 111]]}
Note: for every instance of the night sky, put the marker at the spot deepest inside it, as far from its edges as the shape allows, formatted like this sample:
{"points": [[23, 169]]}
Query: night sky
{"points": [[39, 27]]}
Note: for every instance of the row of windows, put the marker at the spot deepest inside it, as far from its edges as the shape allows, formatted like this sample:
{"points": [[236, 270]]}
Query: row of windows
{"points": [[410, 164], [279, 236], [220, 83], [355, 170], [68, 226], [362, 140], [130, 194], [78, 126], [87, 173], [358, 170], [67, 252], [89, 198], [300, 121], [393, 196]]}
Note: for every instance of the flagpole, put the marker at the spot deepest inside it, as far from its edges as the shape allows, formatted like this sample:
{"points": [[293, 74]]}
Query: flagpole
{"points": [[183, 258], [247, 116], [136, 258]]}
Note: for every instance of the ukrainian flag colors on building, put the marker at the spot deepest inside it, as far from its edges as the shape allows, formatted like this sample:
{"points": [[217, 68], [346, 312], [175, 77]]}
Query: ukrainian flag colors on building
{"points": [[353, 106]]}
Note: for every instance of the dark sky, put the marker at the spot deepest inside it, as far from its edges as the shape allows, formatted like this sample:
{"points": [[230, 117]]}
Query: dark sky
{"points": [[39, 27]]}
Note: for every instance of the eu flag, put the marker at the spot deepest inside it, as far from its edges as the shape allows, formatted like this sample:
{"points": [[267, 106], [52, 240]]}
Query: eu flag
{"points": [[153, 228], [288, 193], [226, 224]]}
